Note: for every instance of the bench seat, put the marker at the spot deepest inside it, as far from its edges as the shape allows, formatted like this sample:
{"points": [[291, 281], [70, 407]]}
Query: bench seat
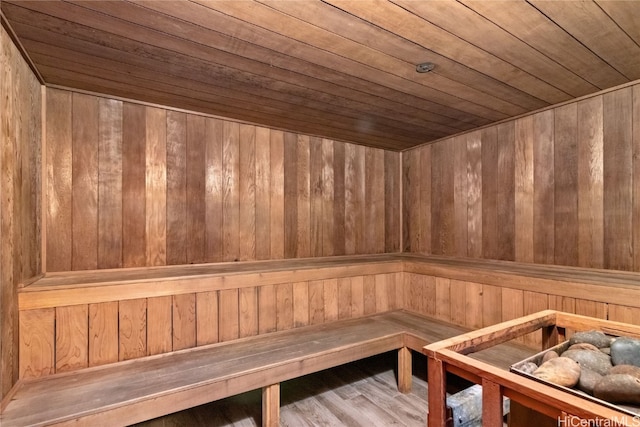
{"points": [[128, 392]]}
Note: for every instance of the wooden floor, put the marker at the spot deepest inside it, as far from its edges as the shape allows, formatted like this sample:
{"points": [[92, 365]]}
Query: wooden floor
{"points": [[362, 393]]}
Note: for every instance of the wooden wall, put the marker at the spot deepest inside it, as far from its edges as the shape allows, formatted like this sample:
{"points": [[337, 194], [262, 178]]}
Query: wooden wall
{"points": [[83, 335], [134, 185], [20, 181], [561, 186]]}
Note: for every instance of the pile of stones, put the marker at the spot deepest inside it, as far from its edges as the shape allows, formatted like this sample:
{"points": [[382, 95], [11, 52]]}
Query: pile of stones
{"points": [[602, 366]]}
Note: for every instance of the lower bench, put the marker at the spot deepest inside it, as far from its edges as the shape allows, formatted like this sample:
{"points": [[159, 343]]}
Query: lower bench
{"points": [[128, 392]]}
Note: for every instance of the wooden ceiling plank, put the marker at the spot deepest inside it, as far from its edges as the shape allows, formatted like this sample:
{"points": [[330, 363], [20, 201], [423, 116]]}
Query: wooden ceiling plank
{"points": [[590, 25], [397, 20], [333, 119], [142, 53], [532, 27], [192, 37], [121, 89], [281, 22], [203, 52], [244, 12], [480, 32], [626, 14], [356, 129], [333, 19]]}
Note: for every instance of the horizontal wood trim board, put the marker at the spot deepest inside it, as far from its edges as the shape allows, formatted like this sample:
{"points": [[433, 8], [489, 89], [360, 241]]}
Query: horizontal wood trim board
{"points": [[104, 292], [588, 284]]}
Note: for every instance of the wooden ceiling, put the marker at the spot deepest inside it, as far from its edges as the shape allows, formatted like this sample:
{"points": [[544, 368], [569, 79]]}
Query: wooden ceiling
{"points": [[341, 69]]}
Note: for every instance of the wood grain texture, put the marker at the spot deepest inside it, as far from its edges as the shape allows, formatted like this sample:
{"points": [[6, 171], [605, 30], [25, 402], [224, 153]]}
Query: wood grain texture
{"points": [[59, 168], [72, 344], [618, 174], [248, 311], [176, 159], [214, 190], [22, 159], [134, 153], [590, 184], [103, 333], [543, 188], [84, 141], [206, 318], [566, 185], [156, 187], [181, 188], [247, 192], [267, 309], [132, 328], [159, 325], [554, 187], [196, 189], [110, 183], [184, 321], [37, 343], [229, 327]]}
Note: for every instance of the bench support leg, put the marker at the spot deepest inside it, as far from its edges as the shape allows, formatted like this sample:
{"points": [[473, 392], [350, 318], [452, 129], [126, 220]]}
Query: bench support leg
{"points": [[271, 405], [404, 370]]}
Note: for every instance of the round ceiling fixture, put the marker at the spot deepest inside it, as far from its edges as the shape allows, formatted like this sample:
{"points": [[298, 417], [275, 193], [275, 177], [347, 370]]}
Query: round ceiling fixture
{"points": [[425, 67]]}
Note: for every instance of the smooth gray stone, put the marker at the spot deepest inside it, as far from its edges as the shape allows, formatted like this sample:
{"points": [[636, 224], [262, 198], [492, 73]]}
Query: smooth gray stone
{"points": [[626, 351], [588, 380], [594, 360], [597, 338]]}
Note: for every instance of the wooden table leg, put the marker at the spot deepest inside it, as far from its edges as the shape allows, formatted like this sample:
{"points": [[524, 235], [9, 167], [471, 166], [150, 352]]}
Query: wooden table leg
{"points": [[404, 370], [271, 405], [491, 404], [437, 389]]}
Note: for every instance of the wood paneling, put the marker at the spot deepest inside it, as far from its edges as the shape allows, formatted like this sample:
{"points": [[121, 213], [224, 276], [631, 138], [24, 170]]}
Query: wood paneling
{"points": [[75, 336], [337, 69], [555, 187], [157, 187], [21, 152]]}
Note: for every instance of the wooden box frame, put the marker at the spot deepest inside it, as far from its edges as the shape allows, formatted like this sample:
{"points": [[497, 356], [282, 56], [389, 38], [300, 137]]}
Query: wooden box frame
{"points": [[452, 355]]}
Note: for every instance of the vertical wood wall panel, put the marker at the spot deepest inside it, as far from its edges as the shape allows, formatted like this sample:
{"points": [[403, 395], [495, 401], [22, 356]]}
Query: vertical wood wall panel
{"points": [[214, 190], [543, 188], [618, 174], [160, 325], [590, 184], [133, 186], [184, 321], [137, 185], [277, 195], [110, 183], [103, 333], [85, 182], [176, 188], [37, 343], [132, 329], [156, 187], [21, 173], [206, 318], [72, 331], [196, 189], [247, 201], [560, 186], [59, 166], [566, 185], [262, 193]]}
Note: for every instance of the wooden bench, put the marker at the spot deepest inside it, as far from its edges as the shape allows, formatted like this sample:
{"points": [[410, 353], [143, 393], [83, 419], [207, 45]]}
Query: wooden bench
{"points": [[127, 392], [464, 292]]}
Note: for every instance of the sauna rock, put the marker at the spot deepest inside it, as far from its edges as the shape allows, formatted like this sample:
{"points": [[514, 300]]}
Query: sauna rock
{"points": [[596, 338], [560, 370], [626, 351]]}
